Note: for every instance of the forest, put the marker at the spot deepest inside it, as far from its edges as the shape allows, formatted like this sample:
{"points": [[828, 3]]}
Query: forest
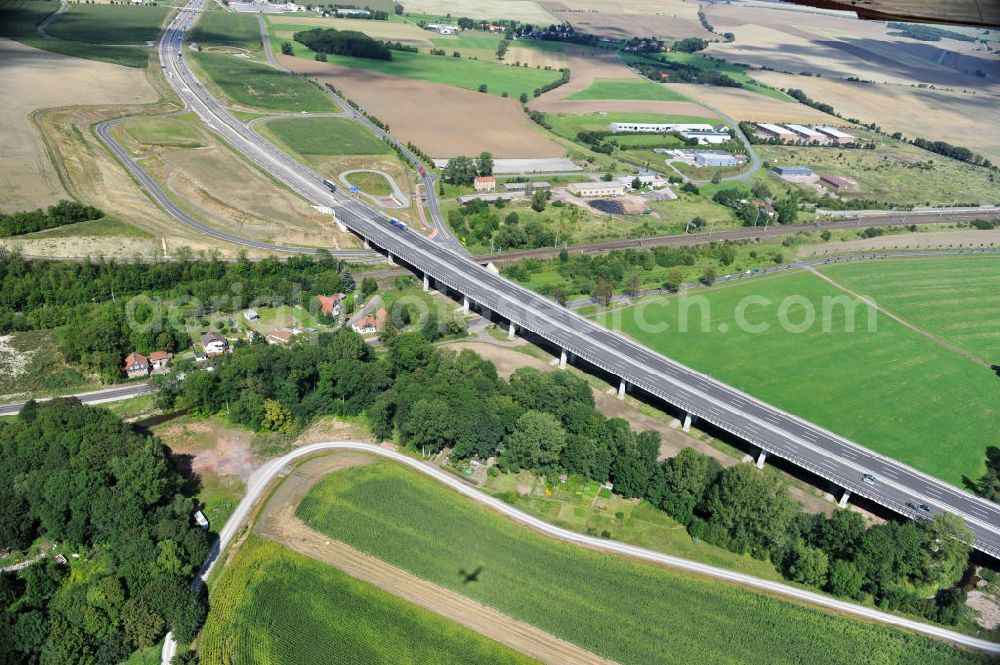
{"points": [[343, 42], [109, 495]]}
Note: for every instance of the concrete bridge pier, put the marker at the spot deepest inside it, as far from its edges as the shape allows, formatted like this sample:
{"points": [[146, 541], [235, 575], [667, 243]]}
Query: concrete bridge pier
{"points": [[391, 257], [688, 419], [843, 499], [512, 330], [465, 304], [427, 283], [761, 456], [621, 389], [562, 359]]}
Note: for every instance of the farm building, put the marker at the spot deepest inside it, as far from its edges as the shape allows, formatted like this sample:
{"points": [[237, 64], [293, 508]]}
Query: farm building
{"points": [[793, 173], [705, 138], [523, 186], [807, 133], [443, 28], [775, 132], [837, 182], [136, 365], [352, 12], [658, 127], [713, 158], [836, 135], [486, 183], [592, 189]]}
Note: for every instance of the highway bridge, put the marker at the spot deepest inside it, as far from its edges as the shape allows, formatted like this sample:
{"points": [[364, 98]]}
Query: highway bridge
{"points": [[771, 430]]}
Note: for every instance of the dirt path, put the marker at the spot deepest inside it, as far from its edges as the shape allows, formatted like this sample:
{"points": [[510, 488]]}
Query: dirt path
{"points": [[279, 523], [920, 331]]}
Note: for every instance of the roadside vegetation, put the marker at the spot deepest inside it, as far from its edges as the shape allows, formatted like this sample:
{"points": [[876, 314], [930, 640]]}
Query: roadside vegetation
{"points": [[110, 24], [326, 136], [600, 602], [262, 611], [259, 86], [61, 214], [223, 28]]}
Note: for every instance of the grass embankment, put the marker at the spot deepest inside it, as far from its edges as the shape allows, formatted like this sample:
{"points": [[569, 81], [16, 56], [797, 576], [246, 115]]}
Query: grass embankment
{"points": [[371, 183], [222, 28], [85, 28], [459, 72], [629, 89], [624, 610], [276, 606], [259, 86], [890, 390], [325, 136]]}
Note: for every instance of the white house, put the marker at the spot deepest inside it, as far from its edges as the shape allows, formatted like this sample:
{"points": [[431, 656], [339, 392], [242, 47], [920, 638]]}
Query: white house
{"points": [[214, 343]]}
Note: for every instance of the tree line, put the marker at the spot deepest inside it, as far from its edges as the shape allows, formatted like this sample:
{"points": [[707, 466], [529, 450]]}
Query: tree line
{"points": [[87, 302], [111, 498], [429, 399], [343, 42], [61, 214]]}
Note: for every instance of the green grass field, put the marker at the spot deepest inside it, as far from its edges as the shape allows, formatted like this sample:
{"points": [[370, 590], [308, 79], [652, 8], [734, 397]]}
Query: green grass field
{"points": [[109, 24], [890, 390], [895, 172], [325, 136], [736, 72], [18, 19], [370, 183], [260, 86], [629, 89], [620, 609], [105, 227], [176, 131], [459, 72], [275, 606], [221, 28], [957, 299]]}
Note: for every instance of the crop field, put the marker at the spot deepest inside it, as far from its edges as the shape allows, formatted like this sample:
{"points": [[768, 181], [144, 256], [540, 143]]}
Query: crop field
{"points": [[957, 299], [406, 33], [895, 172], [628, 89], [885, 389], [109, 24], [526, 11], [459, 72], [259, 86], [275, 606], [325, 136], [221, 28], [735, 72], [620, 609], [18, 19], [631, 18]]}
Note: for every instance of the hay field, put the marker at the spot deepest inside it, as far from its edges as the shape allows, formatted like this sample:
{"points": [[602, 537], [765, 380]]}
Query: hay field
{"points": [[525, 11], [33, 79], [961, 119], [742, 104], [791, 40], [443, 120], [668, 19], [407, 33]]}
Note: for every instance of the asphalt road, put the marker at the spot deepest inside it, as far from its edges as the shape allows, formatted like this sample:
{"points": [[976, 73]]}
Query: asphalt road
{"points": [[261, 480], [96, 397], [809, 446]]}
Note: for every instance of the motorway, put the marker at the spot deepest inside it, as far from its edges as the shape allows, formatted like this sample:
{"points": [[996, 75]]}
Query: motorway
{"points": [[261, 480], [772, 430], [96, 397]]}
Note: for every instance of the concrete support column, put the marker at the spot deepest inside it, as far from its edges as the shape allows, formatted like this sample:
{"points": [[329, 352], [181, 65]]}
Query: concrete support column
{"points": [[365, 243], [465, 304], [512, 330], [760, 459], [427, 283], [621, 389], [391, 257], [562, 359], [843, 498], [688, 419]]}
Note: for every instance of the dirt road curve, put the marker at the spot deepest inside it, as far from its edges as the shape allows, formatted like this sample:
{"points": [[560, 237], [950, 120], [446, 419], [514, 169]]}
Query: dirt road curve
{"points": [[262, 478], [279, 523]]}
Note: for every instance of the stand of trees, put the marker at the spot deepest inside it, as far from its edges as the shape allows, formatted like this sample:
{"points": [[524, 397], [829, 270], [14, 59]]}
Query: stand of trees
{"points": [[479, 221], [690, 45], [64, 212], [654, 66], [78, 476], [343, 42], [87, 302], [462, 171]]}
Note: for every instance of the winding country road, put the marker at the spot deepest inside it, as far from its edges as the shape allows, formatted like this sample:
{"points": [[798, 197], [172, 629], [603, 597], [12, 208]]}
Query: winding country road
{"points": [[261, 480]]}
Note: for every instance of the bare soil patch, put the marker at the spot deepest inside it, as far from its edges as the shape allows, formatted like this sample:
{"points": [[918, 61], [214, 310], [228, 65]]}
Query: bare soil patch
{"points": [[632, 18], [279, 523], [443, 120], [963, 119], [33, 79]]}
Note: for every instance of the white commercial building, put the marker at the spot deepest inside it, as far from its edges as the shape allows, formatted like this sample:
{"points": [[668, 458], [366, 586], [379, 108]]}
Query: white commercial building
{"points": [[706, 158], [706, 138], [837, 135], [775, 131], [659, 127], [443, 28], [592, 189]]}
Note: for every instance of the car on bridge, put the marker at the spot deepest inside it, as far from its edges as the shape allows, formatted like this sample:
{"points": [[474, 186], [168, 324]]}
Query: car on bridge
{"points": [[868, 479]]}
